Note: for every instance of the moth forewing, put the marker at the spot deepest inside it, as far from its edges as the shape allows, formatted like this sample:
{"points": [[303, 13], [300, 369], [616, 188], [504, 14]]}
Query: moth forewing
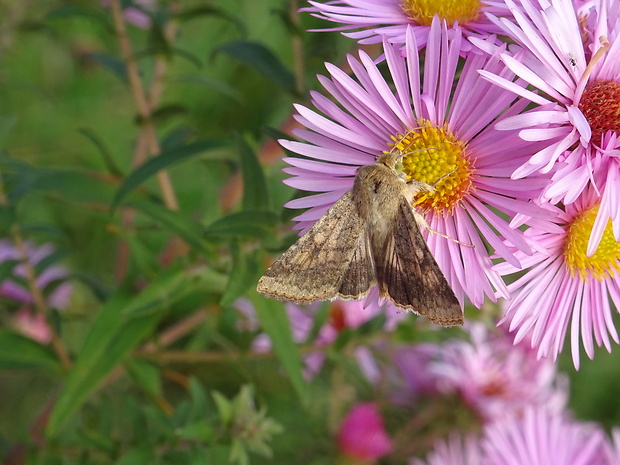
{"points": [[369, 236], [314, 267]]}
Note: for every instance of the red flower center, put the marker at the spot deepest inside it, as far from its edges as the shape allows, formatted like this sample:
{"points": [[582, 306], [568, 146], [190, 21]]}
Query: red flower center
{"points": [[600, 104]]}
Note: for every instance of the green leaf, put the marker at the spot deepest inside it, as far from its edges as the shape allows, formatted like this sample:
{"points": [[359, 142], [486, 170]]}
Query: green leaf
{"points": [[247, 223], [108, 159], [196, 12], [169, 53], [68, 12], [262, 60], [6, 269], [116, 66], [7, 219], [176, 221], [164, 160], [140, 455], [145, 375], [218, 86], [166, 112], [275, 322], [255, 190], [201, 431], [242, 276], [75, 186], [120, 325], [17, 351]]}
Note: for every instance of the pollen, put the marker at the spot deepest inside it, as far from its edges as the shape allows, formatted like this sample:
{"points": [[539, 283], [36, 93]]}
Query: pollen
{"points": [[435, 156], [604, 263], [600, 104], [423, 11]]}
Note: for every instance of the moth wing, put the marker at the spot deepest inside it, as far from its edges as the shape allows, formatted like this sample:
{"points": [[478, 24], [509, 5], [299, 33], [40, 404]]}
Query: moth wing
{"points": [[359, 276], [331, 260], [410, 276]]}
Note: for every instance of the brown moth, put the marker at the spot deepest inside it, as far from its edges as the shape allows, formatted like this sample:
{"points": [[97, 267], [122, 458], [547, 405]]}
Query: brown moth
{"points": [[370, 236]]}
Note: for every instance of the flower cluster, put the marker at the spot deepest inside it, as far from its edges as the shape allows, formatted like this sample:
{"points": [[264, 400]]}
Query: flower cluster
{"points": [[513, 406], [524, 139]]}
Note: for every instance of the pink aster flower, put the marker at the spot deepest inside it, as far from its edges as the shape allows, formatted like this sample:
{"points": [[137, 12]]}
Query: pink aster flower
{"points": [[613, 448], [362, 436], [541, 437], [370, 20], [456, 450], [32, 325], [564, 285], [577, 74], [442, 133], [495, 378]]}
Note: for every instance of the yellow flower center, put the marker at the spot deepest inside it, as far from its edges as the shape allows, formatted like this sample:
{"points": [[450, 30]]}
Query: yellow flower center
{"points": [[435, 156], [423, 11], [604, 263], [600, 104]]}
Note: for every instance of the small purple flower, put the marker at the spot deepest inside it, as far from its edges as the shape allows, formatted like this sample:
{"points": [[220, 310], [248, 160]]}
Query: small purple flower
{"points": [[362, 435], [55, 274], [137, 12], [369, 20]]}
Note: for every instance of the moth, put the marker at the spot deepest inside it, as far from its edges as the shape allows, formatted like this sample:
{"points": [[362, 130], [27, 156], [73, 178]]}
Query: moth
{"points": [[370, 236]]}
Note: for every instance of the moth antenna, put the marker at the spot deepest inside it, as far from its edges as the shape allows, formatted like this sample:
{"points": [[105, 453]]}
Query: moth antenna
{"points": [[443, 177], [423, 223]]}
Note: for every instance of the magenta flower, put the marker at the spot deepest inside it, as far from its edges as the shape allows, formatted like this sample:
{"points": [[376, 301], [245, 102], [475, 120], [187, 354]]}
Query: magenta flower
{"points": [[578, 99], [370, 20], [443, 133], [362, 436], [564, 285], [540, 437]]}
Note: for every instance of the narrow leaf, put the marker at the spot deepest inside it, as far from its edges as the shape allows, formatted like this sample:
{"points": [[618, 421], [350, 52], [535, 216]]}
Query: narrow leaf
{"points": [[242, 276], [162, 161], [255, 191], [121, 325], [248, 223], [262, 60], [17, 351], [275, 322], [193, 13], [190, 231], [108, 159]]}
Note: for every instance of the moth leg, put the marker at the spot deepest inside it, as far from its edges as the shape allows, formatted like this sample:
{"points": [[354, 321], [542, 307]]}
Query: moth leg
{"points": [[424, 224]]}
